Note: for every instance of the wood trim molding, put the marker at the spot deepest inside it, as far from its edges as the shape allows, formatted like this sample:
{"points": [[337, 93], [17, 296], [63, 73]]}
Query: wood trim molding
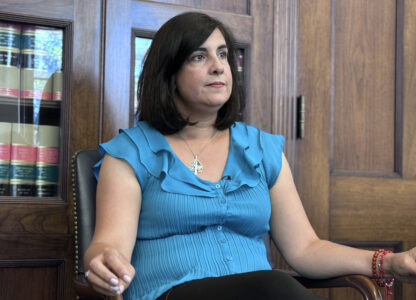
{"points": [[39, 263]]}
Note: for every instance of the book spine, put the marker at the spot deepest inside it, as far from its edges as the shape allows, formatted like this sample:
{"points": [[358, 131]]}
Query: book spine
{"points": [[35, 81], [9, 59], [23, 159], [5, 145], [47, 161], [57, 86]]}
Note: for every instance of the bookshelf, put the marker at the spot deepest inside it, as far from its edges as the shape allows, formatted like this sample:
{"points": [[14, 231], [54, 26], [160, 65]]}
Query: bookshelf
{"points": [[30, 109], [50, 91]]}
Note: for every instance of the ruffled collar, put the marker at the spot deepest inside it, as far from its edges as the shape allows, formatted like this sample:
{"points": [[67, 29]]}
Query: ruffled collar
{"points": [[244, 157]]}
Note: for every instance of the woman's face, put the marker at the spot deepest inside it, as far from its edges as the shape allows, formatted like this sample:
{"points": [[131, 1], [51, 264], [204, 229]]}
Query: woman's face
{"points": [[204, 82]]}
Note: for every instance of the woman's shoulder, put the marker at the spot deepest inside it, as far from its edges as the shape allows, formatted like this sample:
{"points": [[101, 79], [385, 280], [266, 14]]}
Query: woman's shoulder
{"points": [[244, 130], [143, 134], [138, 146], [259, 147], [140, 129], [141, 138]]}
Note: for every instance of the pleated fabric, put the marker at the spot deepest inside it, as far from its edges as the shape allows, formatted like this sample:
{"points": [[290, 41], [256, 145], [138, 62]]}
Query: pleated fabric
{"points": [[191, 228]]}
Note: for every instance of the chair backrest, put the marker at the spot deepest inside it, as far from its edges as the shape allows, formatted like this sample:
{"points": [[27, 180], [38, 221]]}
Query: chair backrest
{"points": [[84, 188]]}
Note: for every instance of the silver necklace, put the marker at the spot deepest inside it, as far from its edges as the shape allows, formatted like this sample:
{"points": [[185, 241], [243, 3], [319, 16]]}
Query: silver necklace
{"points": [[195, 165]]}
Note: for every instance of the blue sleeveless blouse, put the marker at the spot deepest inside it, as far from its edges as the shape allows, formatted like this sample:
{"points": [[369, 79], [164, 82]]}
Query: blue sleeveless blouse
{"points": [[190, 228]]}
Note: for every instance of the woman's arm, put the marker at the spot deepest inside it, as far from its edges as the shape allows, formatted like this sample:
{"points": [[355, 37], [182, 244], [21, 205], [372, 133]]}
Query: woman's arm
{"points": [[117, 214], [316, 258]]}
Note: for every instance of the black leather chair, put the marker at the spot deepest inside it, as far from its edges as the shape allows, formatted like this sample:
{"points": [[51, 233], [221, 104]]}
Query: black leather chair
{"points": [[84, 186]]}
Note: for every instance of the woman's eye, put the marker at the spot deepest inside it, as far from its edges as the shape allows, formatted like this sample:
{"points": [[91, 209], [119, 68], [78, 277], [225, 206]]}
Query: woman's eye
{"points": [[223, 54], [197, 57]]}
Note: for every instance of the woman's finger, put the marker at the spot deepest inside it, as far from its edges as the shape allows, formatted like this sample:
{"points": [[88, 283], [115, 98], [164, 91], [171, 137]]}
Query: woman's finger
{"points": [[104, 272], [103, 286], [120, 267]]}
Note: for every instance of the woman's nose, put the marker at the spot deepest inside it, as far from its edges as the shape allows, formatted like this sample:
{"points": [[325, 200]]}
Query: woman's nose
{"points": [[217, 66]]}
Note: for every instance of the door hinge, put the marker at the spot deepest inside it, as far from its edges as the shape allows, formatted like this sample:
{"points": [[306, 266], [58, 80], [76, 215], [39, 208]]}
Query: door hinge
{"points": [[300, 117]]}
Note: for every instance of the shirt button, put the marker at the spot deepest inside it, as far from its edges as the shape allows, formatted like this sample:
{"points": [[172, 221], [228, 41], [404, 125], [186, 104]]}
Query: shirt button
{"points": [[228, 258], [219, 227], [222, 200], [218, 185], [223, 241]]}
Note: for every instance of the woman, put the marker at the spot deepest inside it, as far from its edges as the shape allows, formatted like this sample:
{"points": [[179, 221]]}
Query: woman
{"points": [[184, 198]]}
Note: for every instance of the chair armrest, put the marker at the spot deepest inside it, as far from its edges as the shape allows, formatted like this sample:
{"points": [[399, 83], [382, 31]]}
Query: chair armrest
{"points": [[363, 284], [84, 289]]}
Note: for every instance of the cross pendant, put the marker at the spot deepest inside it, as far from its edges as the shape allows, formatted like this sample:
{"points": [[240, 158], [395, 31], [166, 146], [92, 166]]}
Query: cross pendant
{"points": [[195, 166]]}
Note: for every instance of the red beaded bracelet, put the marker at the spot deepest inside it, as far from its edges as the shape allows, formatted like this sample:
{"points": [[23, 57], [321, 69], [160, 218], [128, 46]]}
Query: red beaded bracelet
{"points": [[374, 262], [378, 271]]}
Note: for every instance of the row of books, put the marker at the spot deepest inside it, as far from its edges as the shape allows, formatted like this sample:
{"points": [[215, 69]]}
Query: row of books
{"points": [[29, 159], [30, 61]]}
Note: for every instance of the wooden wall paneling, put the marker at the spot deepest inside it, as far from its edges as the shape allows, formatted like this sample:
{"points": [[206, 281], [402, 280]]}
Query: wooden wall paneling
{"points": [[314, 67], [364, 87], [409, 88], [38, 247], [118, 62], [235, 6], [259, 102], [361, 206], [36, 219], [157, 14], [285, 81], [86, 76], [46, 279], [399, 124], [49, 9]]}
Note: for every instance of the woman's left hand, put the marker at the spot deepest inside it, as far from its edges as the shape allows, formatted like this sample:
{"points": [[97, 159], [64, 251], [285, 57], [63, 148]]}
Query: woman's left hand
{"points": [[402, 266]]}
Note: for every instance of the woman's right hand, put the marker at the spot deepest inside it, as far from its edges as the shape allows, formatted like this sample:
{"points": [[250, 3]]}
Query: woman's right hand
{"points": [[117, 215], [110, 273]]}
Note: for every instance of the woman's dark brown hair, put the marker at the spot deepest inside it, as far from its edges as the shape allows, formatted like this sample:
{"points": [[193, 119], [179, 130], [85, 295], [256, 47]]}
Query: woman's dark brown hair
{"points": [[171, 46]]}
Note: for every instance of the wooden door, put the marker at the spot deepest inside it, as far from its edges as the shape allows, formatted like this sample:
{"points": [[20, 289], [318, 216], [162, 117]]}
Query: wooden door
{"points": [[36, 233], [356, 166]]}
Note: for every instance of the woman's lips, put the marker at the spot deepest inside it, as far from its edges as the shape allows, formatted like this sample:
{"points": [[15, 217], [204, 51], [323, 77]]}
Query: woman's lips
{"points": [[217, 84]]}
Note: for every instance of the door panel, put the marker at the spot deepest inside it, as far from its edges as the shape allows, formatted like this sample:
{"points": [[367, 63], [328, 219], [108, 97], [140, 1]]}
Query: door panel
{"points": [[364, 44], [235, 6], [356, 163]]}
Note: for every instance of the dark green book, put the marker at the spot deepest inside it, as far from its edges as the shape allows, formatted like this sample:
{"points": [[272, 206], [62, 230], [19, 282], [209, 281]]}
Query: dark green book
{"points": [[23, 159], [9, 59], [47, 161], [5, 141]]}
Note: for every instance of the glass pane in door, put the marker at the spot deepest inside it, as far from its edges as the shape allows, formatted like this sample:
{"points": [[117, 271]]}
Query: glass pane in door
{"points": [[30, 109], [141, 47]]}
